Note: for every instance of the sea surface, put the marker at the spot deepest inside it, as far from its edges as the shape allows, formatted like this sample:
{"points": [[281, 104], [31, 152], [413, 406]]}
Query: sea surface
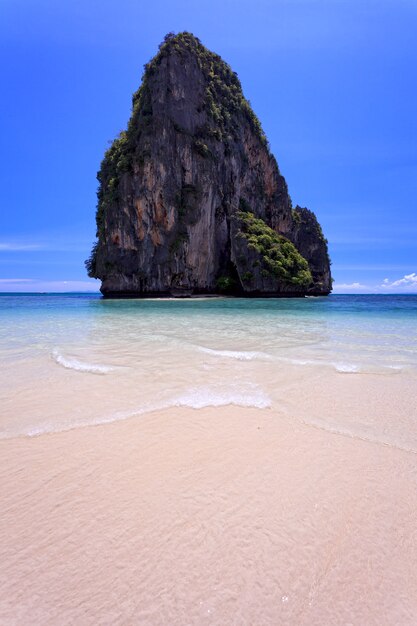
{"points": [[70, 360]]}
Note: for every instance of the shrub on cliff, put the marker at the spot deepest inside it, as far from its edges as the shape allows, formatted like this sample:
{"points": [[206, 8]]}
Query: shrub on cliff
{"points": [[279, 256]]}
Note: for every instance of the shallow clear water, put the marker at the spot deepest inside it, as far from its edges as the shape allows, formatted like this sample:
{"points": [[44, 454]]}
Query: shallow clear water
{"points": [[75, 359]]}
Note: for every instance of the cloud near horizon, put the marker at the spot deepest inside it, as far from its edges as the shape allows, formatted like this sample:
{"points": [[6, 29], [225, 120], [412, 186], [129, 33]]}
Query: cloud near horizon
{"points": [[408, 280], [33, 285], [60, 244], [406, 284]]}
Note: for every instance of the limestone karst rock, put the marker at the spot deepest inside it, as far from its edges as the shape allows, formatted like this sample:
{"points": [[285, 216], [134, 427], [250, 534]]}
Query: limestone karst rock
{"points": [[190, 198]]}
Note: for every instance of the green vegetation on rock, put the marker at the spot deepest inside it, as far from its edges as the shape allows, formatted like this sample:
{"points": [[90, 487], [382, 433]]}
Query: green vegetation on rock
{"points": [[311, 227], [90, 263], [226, 284], [279, 256], [223, 96], [296, 216]]}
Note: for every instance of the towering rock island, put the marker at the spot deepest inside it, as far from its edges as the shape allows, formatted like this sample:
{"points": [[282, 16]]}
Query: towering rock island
{"points": [[190, 198]]}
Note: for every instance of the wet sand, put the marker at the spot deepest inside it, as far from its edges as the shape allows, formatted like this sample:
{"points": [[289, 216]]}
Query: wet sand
{"points": [[216, 516]]}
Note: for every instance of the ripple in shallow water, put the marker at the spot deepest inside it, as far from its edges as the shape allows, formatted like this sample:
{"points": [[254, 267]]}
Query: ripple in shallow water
{"points": [[74, 364]]}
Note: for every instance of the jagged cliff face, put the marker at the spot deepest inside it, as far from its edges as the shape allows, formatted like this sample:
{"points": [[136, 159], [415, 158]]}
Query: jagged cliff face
{"points": [[191, 199]]}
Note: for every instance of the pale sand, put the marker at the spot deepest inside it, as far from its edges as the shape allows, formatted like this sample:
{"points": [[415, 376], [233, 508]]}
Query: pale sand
{"points": [[217, 516]]}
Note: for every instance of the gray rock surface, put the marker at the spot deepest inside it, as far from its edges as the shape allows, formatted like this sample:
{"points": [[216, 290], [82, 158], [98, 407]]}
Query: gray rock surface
{"points": [[180, 189]]}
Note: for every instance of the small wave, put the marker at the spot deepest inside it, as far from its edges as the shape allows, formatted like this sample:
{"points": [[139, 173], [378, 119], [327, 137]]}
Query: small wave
{"points": [[250, 396], [202, 397], [298, 361], [376, 369], [235, 354], [79, 366], [342, 367], [347, 368], [361, 436]]}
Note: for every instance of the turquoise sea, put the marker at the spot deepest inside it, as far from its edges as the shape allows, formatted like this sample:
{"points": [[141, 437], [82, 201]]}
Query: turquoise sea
{"points": [[77, 359]]}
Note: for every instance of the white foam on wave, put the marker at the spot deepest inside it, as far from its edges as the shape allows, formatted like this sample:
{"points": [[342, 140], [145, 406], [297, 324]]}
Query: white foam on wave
{"points": [[376, 368], [298, 361], [202, 397], [346, 368], [342, 367], [80, 366], [248, 396], [235, 354]]}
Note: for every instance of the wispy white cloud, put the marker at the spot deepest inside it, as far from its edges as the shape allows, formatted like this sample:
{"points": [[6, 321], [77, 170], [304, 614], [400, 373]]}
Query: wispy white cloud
{"points": [[407, 282], [7, 281], [58, 245], [19, 247], [352, 288], [53, 286]]}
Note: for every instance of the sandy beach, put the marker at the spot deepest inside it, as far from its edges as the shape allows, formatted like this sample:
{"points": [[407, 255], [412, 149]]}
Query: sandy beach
{"points": [[217, 516]]}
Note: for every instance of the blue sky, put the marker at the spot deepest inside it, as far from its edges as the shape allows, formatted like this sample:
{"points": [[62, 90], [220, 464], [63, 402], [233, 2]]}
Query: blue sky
{"points": [[334, 83]]}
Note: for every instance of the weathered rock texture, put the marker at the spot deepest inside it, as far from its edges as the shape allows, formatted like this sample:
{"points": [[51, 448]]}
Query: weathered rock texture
{"points": [[191, 200]]}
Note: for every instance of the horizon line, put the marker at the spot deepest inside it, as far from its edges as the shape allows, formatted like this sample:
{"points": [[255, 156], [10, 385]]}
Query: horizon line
{"points": [[364, 293]]}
